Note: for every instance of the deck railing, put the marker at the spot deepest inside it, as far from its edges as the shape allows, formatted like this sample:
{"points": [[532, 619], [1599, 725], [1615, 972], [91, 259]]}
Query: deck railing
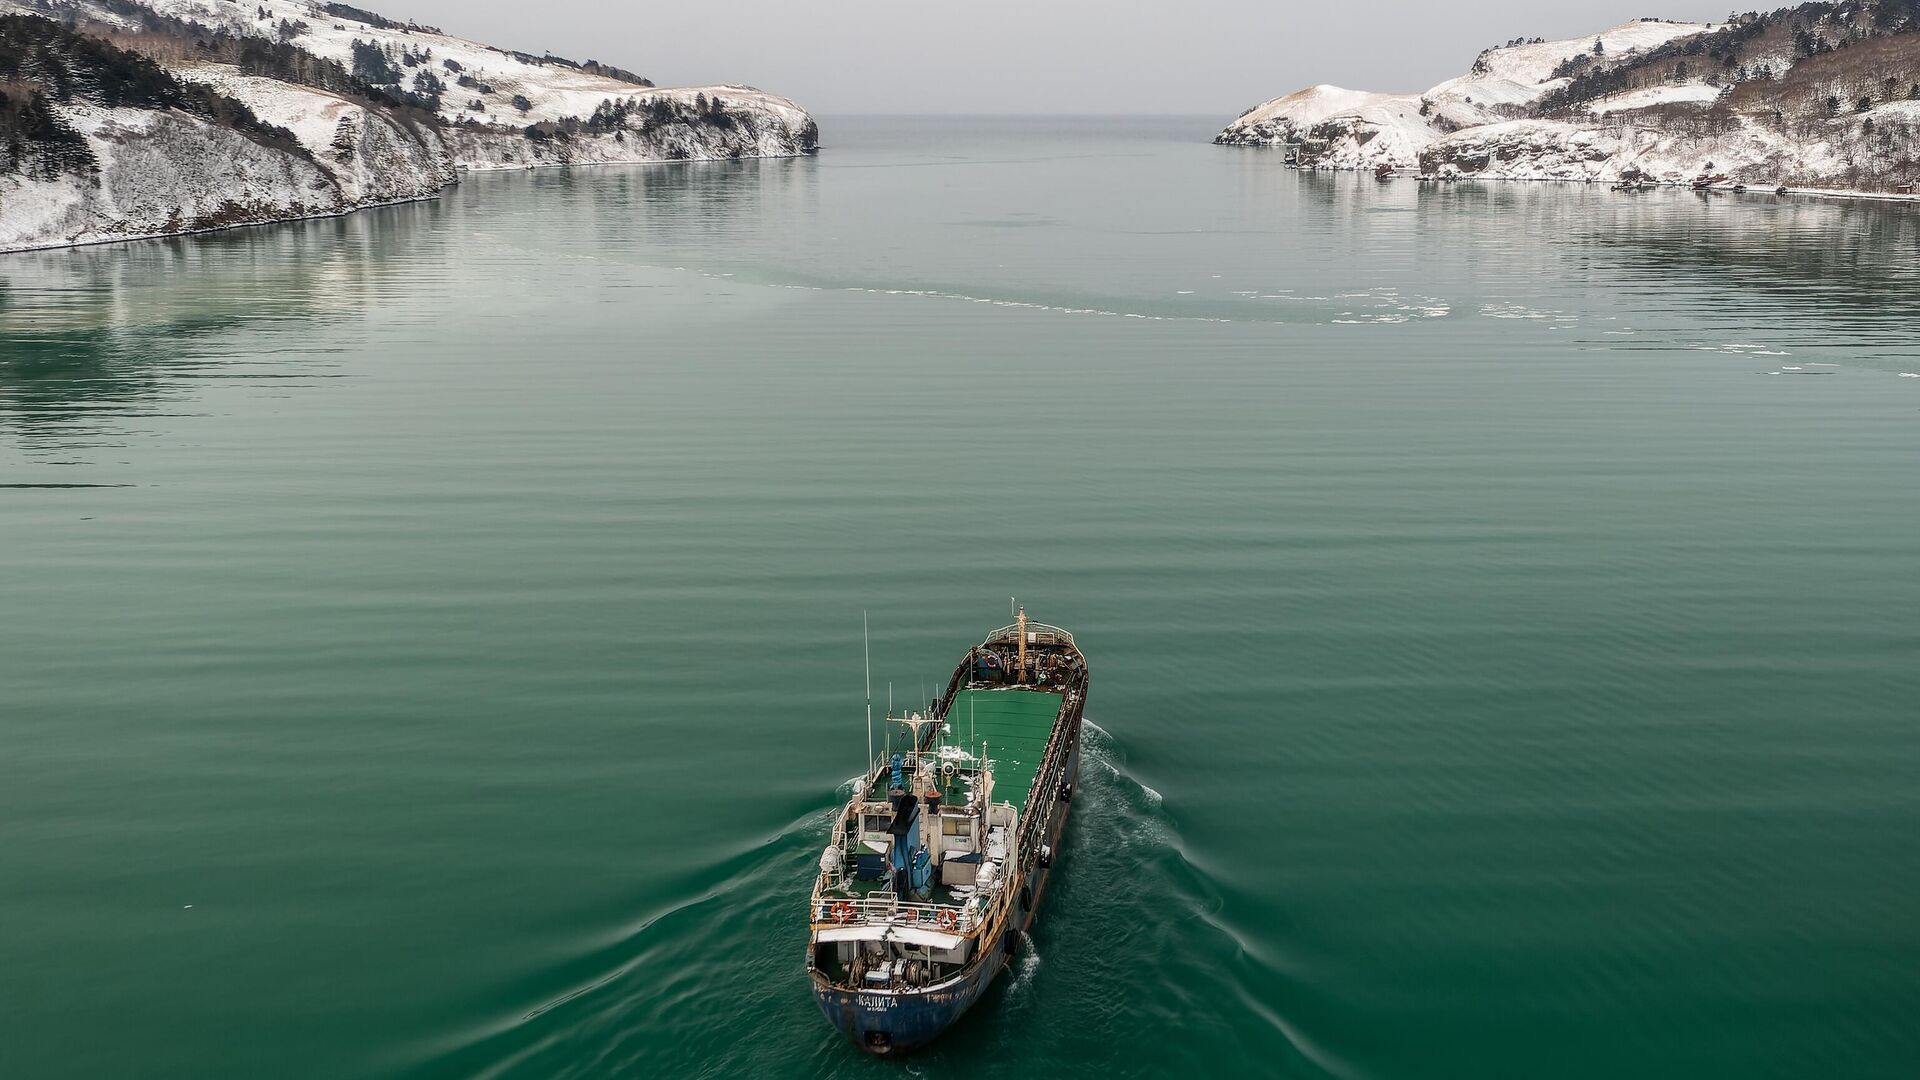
{"points": [[1041, 631], [885, 908]]}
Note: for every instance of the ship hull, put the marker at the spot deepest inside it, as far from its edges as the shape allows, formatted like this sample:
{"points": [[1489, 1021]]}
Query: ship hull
{"points": [[887, 1024], [898, 1023]]}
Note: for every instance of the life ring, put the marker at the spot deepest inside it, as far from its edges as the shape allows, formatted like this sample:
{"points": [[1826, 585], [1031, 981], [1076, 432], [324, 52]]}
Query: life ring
{"points": [[948, 920], [841, 912]]}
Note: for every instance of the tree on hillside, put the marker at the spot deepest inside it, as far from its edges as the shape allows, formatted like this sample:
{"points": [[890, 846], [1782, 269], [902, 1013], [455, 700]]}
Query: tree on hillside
{"points": [[346, 139], [35, 140], [429, 87], [371, 64]]}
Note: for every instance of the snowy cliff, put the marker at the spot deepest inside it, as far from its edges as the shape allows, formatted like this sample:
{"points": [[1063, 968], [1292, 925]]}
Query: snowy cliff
{"points": [[1821, 96], [130, 118]]}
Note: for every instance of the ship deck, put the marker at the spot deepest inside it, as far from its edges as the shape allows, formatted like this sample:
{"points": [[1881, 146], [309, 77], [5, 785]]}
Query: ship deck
{"points": [[937, 893], [1015, 725]]}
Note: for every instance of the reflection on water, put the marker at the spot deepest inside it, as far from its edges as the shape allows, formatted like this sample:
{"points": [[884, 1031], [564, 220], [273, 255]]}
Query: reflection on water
{"points": [[1820, 265], [93, 340], [101, 344], [98, 343]]}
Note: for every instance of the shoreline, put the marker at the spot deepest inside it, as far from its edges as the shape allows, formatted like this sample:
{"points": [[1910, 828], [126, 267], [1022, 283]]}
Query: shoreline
{"points": [[1755, 188], [375, 205], [211, 229], [480, 169]]}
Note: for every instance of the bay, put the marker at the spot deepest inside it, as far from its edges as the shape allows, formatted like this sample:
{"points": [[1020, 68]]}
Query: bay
{"points": [[432, 636]]}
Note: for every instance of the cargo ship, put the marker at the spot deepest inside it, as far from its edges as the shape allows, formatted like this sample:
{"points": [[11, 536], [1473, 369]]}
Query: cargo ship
{"points": [[937, 866]]}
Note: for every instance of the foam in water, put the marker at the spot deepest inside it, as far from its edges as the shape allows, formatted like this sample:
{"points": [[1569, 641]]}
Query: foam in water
{"points": [[1026, 962]]}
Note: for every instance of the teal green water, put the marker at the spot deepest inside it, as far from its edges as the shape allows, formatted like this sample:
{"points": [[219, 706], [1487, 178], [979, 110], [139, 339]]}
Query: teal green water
{"points": [[1499, 671]]}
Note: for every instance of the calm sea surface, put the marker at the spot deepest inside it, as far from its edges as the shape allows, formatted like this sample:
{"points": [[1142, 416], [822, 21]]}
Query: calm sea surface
{"points": [[431, 638]]}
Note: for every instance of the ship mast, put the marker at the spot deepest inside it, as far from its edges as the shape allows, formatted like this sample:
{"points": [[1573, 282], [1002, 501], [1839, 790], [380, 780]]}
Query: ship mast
{"points": [[867, 647], [1021, 624]]}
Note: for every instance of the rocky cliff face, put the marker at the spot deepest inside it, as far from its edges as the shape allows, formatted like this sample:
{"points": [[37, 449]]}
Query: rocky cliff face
{"points": [[277, 109], [1822, 96], [159, 172]]}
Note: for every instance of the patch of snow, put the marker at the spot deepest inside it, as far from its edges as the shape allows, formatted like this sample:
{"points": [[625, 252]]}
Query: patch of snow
{"points": [[1339, 128], [1694, 93], [1308, 107], [1533, 64], [1896, 110]]}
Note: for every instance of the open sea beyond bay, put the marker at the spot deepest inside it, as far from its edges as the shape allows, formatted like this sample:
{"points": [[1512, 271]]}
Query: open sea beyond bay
{"points": [[432, 637]]}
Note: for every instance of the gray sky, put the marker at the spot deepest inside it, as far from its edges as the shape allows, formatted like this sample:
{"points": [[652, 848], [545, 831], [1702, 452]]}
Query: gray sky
{"points": [[1212, 57]]}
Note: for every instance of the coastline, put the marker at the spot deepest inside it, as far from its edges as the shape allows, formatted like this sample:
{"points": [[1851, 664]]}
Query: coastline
{"points": [[376, 204], [1831, 194], [221, 228], [531, 166], [1757, 188]]}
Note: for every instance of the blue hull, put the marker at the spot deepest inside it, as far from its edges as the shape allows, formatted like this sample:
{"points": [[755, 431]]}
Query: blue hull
{"points": [[899, 1022]]}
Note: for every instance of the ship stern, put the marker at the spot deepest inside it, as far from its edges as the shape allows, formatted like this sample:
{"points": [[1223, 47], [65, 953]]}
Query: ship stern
{"points": [[895, 1022]]}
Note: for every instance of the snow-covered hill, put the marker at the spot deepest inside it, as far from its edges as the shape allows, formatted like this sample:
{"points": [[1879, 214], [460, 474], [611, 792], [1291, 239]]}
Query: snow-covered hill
{"points": [[1326, 126], [1818, 96], [339, 108]]}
